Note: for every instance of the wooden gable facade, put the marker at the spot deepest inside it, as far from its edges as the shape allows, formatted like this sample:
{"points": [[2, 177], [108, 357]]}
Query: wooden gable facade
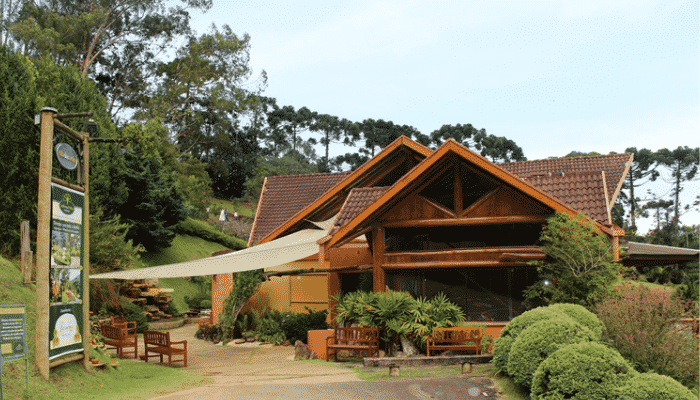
{"points": [[445, 221]]}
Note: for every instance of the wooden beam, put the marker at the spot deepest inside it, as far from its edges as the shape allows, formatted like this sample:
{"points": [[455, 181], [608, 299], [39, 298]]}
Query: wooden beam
{"points": [[480, 201], [513, 219], [522, 256], [379, 247], [459, 197], [65, 128], [316, 271], [476, 250], [453, 264]]}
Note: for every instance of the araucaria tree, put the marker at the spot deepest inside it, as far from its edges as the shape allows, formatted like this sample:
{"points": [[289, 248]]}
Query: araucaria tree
{"points": [[579, 267]]}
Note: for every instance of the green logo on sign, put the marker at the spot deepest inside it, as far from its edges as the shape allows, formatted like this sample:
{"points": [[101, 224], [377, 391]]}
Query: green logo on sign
{"points": [[67, 204]]}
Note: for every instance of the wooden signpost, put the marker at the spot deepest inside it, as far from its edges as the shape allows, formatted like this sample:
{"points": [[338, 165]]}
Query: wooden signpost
{"points": [[62, 243]]}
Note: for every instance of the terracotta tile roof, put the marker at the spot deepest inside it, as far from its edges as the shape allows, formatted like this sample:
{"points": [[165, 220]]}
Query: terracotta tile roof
{"points": [[575, 181], [285, 195], [614, 165], [583, 191], [358, 200]]}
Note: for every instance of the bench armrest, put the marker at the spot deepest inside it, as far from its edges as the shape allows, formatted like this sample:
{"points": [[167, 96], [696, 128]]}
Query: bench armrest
{"points": [[181, 342]]}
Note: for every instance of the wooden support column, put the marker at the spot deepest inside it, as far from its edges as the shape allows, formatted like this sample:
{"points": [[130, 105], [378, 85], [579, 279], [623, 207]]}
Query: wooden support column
{"points": [[378, 249], [43, 247], [616, 248], [86, 251]]}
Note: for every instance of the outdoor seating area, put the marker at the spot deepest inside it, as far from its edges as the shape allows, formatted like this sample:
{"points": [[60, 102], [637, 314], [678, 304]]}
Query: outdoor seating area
{"points": [[357, 339], [460, 338], [119, 337], [160, 343]]}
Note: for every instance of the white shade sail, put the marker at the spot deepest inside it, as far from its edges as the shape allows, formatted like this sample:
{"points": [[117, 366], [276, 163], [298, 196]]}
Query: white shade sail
{"points": [[286, 249]]}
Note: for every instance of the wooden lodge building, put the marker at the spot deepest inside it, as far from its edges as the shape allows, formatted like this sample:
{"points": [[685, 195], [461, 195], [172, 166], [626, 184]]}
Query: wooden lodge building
{"points": [[428, 221]]}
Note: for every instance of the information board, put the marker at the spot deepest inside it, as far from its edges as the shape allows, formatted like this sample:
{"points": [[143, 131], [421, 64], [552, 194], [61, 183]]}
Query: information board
{"points": [[13, 338], [66, 272]]}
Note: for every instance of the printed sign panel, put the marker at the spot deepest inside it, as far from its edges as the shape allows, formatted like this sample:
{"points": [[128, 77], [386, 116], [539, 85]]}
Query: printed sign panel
{"points": [[66, 272], [12, 345]]}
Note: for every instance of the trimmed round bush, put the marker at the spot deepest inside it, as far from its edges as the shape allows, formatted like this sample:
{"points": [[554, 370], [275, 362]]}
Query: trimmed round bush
{"points": [[540, 340], [510, 332], [581, 371], [653, 386], [581, 315]]}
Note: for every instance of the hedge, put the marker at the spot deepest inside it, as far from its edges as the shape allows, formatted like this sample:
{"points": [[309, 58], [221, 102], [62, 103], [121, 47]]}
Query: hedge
{"points": [[510, 332], [205, 231], [581, 371], [653, 386], [581, 315], [540, 340]]}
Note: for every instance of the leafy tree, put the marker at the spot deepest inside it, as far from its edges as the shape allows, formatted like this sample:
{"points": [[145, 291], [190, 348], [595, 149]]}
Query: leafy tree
{"points": [[291, 122], [683, 163], [497, 148], [380, 133], [20, 141], [271, 166], [331, 128], [81, 32], [579, 268], [642, 170], [9, 10], [152, 205], [203, 87], [245, 284], [354, 160]]}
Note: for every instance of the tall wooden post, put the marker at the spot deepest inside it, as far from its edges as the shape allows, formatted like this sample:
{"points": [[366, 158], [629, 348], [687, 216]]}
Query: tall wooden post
{"points": [[378, 249], [86, 251], [43, 246]]}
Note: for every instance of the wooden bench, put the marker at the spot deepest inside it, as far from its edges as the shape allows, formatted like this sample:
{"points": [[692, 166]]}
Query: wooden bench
{"points": [[460, 338], [160, 343], [119, 320], [353, 338], [119, 337]]}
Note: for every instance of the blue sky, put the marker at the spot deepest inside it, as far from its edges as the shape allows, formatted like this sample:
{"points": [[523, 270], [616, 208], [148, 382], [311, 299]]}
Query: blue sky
{"points": [[554, 76]]}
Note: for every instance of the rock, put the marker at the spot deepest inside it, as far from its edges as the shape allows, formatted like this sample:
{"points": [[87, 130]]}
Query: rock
{"points": [[409, 349], [301, 351], [239, 341]]}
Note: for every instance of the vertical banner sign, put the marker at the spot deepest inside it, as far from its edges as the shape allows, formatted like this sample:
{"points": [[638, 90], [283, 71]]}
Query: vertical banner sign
{"points": [[13, 338], [66, 272]]}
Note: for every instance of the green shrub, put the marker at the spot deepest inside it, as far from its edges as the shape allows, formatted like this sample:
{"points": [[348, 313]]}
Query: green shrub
{"points": [[540, 340], [641, 324], [653, 386], [195, 302], [583, 371], [268, 326], [295, 325], [581, 315], [205, 304], [397, 313], [501, 350], [132, 312], [205, 231]]}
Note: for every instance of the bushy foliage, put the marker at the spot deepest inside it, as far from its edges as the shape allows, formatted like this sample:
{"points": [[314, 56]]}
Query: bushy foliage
{"points": [[245, 284], [132, 312], [396, 314], [653, 386], [581, 315], [579, 262], [295, 326], [641, 324], [540, 340], [501, 350], [583, 371], [19, 140], [195, 302], [204, 230], [267, 325], [109, 251]]}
